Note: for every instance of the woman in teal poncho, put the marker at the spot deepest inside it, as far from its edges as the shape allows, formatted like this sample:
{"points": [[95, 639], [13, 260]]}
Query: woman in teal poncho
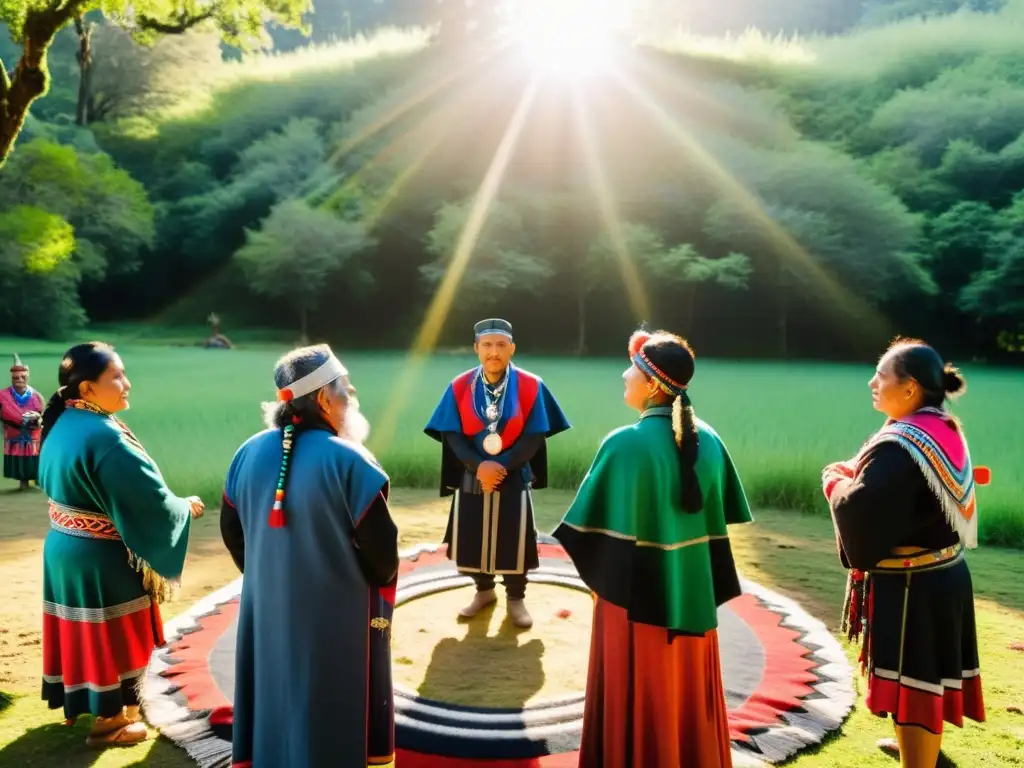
{"points": [[647, 533], [118, 537]]}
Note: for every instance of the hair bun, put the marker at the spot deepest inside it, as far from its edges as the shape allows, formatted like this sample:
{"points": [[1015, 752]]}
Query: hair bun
{"points": [[953, 381]]}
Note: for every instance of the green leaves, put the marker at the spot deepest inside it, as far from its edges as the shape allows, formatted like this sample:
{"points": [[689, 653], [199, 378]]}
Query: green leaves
{"points": [[502, 258], [297, 249], [109, 211], [997, 289], [35, 23], [34, 240], [38, 279]]}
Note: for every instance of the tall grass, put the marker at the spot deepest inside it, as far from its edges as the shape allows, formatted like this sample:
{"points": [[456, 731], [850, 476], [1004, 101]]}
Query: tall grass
{"points": [[781, 422]]}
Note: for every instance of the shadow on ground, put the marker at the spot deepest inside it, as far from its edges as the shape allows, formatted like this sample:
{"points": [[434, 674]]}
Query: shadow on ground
{"points": [[454, 663], [56, 744]]}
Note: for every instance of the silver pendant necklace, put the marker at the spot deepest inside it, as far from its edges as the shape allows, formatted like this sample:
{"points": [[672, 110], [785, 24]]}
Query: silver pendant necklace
{"points": [[492, 443]]}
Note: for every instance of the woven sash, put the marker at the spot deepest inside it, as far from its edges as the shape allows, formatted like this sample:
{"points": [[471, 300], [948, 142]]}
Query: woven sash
{"points": [[79, 522]]}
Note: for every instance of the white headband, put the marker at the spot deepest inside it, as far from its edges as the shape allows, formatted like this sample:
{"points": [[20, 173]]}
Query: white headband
{"points": [[332, 370]]}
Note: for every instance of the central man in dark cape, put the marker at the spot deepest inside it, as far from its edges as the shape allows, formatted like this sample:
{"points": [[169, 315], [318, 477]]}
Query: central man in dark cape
{"points": [[493, 422]]}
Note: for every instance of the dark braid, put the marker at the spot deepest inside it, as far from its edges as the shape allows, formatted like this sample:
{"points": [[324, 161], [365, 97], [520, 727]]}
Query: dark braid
{"points": [[670, 359], [684, 426], [277, 511]]}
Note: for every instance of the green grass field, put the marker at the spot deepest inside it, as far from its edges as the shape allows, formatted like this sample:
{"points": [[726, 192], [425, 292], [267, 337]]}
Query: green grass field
{"points": [[782, 422], [790, 554], [193, 407]]}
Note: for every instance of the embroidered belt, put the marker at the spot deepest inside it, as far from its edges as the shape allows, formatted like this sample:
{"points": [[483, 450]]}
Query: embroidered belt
{"points": [[923, 561], [79, 522]]}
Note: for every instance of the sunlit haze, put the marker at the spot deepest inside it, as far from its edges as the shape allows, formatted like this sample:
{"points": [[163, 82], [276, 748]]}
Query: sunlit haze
{"points": [[569, 37]]}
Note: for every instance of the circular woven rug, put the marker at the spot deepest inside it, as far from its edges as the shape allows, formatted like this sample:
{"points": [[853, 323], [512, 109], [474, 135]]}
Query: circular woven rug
{"points": [[787, 681]]}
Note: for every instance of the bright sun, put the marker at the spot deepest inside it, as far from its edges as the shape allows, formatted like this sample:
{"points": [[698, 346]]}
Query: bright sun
{"points": [[571, 37]]}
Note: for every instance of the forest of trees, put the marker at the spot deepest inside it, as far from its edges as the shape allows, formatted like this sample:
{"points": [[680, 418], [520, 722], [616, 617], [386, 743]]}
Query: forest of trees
{"points": [[852, 170]]}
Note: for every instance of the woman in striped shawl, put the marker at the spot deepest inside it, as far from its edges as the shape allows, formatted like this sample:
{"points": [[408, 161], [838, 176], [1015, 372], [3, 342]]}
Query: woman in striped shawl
{"points": [[904, 512]]}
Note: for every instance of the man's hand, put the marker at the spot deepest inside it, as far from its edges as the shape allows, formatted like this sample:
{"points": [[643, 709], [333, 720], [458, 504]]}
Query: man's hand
{"points": [[197, 506], [490, 474]]}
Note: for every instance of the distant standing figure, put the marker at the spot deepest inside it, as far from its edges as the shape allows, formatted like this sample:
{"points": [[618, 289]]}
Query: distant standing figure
{"points": [[904, 512], [493, 423], [116, 544], [648, 533], [305, 516], [21, 408]]}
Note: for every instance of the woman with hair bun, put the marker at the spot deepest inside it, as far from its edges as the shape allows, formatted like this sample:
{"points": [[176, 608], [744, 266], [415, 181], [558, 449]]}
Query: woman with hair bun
{"points": [[904, 512], [116, 545], [648, 534]]}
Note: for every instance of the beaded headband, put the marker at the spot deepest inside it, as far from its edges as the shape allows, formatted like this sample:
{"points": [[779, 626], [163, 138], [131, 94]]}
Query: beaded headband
{"points": [[331, 370], [666, 382]]}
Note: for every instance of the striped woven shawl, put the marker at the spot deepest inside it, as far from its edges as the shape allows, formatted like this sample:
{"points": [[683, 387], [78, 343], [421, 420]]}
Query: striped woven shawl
{"points": [[938, 447]]}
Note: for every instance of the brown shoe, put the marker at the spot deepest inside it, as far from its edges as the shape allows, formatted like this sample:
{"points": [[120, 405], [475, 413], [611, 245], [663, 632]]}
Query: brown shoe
{"points": [[121, 736], [480, 601], [519, 615]]}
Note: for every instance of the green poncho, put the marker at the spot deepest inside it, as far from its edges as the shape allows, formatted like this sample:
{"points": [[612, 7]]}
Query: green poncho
{"points": [[633, 543]]}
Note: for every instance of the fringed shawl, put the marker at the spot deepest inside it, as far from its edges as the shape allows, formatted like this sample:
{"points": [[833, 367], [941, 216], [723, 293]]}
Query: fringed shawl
{"points": [[939, 449]]}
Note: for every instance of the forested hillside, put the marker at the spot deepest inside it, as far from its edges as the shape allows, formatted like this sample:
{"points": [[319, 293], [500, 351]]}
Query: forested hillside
{"points": [[852, 170]]}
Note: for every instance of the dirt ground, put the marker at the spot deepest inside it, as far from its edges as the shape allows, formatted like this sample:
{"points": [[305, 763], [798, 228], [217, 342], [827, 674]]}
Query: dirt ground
{"points": [[23, 528]]}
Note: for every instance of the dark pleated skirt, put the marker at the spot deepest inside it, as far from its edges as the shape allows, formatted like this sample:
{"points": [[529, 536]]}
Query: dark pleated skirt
{"points": [[21, 467], [923, 648]]}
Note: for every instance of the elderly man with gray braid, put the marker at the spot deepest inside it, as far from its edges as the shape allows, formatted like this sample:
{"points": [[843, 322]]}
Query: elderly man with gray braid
{"points": [[305, 516]]}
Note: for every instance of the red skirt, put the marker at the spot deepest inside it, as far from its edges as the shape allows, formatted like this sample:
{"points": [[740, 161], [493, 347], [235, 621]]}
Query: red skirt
{"points": [[652, 702]]}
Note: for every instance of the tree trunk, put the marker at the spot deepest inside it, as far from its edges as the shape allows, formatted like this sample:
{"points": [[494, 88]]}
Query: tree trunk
{"points": [[782, 311], [84, 56], [691, 307], [581, 316], [30, 77]]}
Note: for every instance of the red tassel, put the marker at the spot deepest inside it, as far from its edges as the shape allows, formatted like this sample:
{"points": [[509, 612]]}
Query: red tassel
{"points": [[277, 518]]}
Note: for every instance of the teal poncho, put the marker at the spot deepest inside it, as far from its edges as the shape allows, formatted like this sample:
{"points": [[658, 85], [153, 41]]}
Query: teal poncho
{"points": [[633, 543]]}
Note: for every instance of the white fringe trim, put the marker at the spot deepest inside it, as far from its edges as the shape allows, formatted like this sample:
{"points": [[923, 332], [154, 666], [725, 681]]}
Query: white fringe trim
{"points": [[820, 714], [967, 530]]}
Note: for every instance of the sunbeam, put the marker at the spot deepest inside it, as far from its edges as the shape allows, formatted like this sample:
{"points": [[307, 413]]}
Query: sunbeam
{"points": [[440, 305], [832, 293], [566, 37], [429, 136], [400, 110], [602, 189]]}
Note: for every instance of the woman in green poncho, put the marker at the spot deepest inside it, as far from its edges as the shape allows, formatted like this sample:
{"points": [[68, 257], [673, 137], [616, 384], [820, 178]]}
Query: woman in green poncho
{"points": [[117, 538], [647, 533]]}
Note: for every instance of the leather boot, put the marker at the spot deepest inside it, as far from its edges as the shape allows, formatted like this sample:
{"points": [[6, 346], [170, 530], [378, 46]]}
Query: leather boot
{"points": [[519, 615], [480, 601]]}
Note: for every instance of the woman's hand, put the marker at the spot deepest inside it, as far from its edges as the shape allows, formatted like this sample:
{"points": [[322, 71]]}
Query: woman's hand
{"points": [[197, 506], [833, 474], [841, 468]]}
